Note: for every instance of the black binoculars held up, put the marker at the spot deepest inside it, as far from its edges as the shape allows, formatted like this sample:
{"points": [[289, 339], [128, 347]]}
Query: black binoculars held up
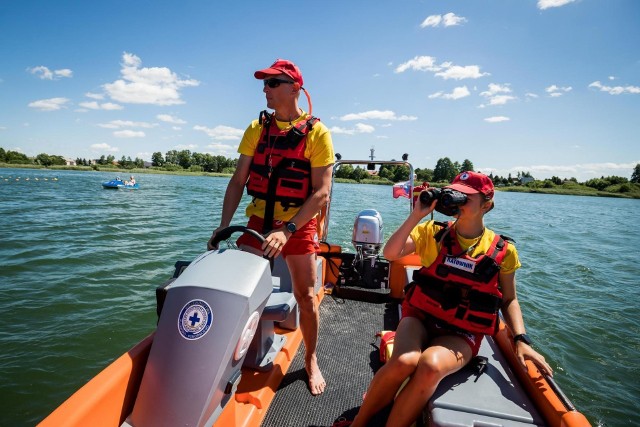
{"points": [[448, 200]]}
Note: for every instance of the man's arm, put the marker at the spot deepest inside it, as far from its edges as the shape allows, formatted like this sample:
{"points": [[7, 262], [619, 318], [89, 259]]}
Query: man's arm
{"points": [[233, 194]]}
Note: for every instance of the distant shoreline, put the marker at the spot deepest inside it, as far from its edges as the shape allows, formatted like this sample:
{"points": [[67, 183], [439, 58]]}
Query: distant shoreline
{"points": [[573, 190]]}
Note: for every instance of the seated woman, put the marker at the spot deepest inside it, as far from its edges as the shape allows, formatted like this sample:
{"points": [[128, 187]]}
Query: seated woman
{"points": [[431, 343], [132, 181]]}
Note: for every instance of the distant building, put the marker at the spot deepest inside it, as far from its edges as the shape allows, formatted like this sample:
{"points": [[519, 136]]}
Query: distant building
{"points": [[526, 179], [70, 162]]}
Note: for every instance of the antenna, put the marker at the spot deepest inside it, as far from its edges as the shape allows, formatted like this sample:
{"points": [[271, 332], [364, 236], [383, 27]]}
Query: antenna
{"points": [[371, 156]]}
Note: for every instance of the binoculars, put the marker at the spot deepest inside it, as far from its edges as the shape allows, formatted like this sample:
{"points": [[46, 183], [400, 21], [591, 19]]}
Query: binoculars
{"points": [[448, 200]]}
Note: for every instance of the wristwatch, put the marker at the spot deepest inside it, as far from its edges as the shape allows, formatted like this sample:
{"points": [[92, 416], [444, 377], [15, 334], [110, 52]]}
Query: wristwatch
{"points": [[291, 227], [522, 337]]}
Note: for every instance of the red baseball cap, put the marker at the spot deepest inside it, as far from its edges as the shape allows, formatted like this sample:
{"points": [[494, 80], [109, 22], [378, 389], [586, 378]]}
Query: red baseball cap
{"points": [[471, 183], [281, 66]]}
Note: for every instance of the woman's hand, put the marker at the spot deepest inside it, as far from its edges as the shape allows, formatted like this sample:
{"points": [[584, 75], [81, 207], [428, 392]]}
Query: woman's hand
{"points": [[524, 351], [420, 210]]}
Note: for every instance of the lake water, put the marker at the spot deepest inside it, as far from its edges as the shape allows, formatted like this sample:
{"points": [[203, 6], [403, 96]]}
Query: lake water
{"points": [[79, 267]]}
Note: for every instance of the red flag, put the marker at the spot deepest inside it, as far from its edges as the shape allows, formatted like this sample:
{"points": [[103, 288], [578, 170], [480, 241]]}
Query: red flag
{"points": [[402, 189]]}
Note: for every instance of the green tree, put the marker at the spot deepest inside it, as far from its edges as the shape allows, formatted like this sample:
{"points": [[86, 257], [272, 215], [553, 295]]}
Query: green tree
{"points": [[424, 175], [359, 174], [184, 159], [385, 172], [444, 170], [171, 157], [17, 158], [401, 173], [635, 176], [156, 159], [457, 167], [3, 155], [467, 166], [344, 171], [44, 160]]}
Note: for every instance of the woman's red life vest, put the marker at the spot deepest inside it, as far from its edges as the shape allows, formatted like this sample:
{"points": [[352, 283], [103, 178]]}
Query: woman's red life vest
{"points": [[459, 289], [279, 171]]}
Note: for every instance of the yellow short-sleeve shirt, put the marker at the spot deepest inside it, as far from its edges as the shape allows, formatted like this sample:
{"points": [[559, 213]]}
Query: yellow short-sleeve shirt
{"points": [[319, 151], [427, 248]]}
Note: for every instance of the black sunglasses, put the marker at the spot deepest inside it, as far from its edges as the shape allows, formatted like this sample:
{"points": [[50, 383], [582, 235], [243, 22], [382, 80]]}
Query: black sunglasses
{"points": [[274, 83]]}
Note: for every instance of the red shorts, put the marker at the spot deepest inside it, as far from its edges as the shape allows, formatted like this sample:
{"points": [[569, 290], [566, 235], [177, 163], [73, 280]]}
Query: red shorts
{"points": [[435, 329], [304, 241]]}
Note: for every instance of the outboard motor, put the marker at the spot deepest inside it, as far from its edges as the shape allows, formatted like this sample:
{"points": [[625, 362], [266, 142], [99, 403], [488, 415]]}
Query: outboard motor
{"points": [[208, 320], [364, 275], [367, 235]]}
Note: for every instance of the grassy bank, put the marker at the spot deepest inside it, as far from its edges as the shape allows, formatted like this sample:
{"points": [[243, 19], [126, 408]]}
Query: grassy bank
{"points": [[627, 190]]}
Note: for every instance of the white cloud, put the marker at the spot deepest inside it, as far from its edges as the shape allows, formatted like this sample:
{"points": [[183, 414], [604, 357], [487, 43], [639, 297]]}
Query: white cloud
{"points": [[45, 73], [418, 63], [128, 133], [50, 104], [156, 85], [221, 149], [94, 95], [376, 115], [556, 91], [447, 20], [546, 4], [186, 147], [494, 89], [446, 70], [221, 132], [615, 90], [170, 119], [451, 19], [497, 119], [459, 92], [93, 105], [531, 95], [431, 21], [458, 72], [117, 124], [104, 147], [359, 128]]}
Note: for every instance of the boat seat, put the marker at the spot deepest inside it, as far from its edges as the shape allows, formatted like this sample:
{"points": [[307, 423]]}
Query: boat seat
{"points": [[492, 398]]}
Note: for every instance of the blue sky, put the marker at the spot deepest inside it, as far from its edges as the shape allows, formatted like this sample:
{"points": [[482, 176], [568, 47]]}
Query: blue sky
{"points": [[551, 87]]}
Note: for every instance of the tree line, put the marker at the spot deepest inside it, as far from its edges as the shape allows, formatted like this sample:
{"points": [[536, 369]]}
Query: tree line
{"points": [[445, 170]]}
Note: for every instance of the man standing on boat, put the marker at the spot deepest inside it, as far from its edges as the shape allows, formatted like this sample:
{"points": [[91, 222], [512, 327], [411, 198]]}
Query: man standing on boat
{"points": [[286, 160]]}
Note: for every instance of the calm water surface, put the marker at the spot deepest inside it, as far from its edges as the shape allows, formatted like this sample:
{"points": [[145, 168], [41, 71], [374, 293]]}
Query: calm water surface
{"points": [[79, 266]]}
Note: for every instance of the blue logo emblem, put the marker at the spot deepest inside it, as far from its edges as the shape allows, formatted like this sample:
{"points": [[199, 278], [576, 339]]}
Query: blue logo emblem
{"points": [[195, 319]]}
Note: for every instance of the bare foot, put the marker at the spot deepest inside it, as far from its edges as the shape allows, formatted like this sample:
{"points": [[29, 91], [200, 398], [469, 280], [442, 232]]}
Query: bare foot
{"points": [[316, 380]]}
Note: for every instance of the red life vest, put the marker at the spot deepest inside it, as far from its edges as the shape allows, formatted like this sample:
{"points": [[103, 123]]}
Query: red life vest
{"points": [[459, 289], [279, 172]]}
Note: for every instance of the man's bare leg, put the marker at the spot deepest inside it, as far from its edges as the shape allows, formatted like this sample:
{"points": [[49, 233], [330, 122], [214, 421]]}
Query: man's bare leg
{"points": [[303, 276]]}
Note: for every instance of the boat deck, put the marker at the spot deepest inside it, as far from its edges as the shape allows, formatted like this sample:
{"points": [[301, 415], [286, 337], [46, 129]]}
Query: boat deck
{"points": [[348, 357]]}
